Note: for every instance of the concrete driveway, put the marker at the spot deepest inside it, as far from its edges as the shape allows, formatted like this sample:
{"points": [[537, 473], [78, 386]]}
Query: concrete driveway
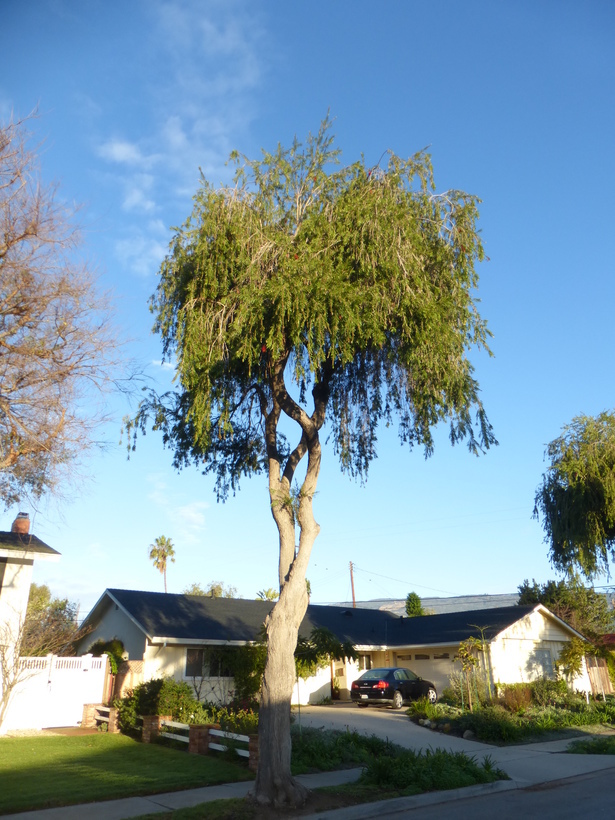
{"points": [[385, 723]]}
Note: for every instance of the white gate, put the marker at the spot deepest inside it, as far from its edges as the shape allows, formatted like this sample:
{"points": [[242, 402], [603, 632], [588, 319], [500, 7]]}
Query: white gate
{"points": [[52, 691]]}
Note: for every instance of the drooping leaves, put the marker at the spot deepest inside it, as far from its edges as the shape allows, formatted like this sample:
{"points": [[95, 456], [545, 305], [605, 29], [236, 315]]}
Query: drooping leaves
{"points": [[576, 501], [357, 281]]}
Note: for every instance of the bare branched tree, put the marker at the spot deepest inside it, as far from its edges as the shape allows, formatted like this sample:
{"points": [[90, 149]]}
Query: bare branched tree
{"points": [[58, 349]]}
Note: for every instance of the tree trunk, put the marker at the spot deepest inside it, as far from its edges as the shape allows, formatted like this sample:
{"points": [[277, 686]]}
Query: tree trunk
{"points": [[274, 783]]}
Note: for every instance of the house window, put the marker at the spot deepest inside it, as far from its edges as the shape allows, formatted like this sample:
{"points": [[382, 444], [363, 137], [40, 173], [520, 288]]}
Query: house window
{"points": [[364, 662], [218, 665], [442, 656], [420, 657], [194, 662], [210, 663], [544, 661]]}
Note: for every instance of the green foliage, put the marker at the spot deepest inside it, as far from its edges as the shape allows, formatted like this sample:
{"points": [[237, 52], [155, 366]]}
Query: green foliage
{"points": [[113, 649], [553, 707], [215, 589], [50, 625], [241, 721], [583, 608], [547, 692], [159, 697], [318, 749], [361, 279], [576, 501], [593, 746], [245, 664], [414, 607], [160, 553], [429, 770], [269, 594], [424, 708], [571, 657], [319, 650]]}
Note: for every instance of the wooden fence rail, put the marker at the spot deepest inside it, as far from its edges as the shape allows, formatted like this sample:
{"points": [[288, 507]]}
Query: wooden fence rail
{"points": [[200, 738]]}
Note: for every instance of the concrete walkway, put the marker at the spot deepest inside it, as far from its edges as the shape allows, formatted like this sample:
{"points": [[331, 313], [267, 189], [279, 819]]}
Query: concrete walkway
{"points": [[527, 765]]}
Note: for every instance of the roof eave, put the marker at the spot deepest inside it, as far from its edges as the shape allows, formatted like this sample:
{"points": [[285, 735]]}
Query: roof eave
{"points": [[28, 554]]}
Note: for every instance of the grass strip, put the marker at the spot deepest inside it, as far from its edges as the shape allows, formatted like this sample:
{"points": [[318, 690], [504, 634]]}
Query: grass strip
{"points": [[43, 772]]}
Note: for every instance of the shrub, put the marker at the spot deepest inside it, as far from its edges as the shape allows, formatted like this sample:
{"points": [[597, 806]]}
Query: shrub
{"points": [[159, 697], [315, 749], [414, 772], [515, 697], [423, 708], [547, 692], [593, 746], [240, 721]]}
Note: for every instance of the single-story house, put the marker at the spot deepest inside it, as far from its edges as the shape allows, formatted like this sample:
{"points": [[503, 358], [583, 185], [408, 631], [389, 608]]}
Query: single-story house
{"points": [[165, 635]]}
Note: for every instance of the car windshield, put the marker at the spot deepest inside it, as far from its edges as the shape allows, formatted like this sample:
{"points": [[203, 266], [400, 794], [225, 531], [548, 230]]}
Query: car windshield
{"points": [[375, 674]]}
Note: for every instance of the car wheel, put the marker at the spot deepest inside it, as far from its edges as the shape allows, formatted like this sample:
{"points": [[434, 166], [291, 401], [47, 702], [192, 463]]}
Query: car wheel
{"points": [[432, 695], [398, 700], [362, 705]]}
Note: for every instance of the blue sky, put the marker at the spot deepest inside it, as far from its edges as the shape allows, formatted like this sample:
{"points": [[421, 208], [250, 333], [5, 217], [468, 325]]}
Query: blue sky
{"points": [[516, 103]]}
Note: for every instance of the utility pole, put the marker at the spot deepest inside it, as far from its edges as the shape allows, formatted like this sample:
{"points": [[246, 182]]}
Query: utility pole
{"points": [[354, 603]]}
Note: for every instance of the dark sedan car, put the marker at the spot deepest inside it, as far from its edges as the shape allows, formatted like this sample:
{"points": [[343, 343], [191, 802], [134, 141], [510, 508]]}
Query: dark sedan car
{"points": [[394, 685]]}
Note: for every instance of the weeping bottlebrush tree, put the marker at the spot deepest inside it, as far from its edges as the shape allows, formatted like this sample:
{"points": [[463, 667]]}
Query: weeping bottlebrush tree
{"points": [[308, 292], [576, 500]]}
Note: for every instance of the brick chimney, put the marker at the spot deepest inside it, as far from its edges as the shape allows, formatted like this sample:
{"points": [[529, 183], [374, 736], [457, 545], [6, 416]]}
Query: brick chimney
{"points": [[21, 524]]}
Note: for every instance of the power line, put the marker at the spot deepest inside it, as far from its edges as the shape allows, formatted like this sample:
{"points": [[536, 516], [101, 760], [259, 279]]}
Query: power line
{"points": [[406, 583]]}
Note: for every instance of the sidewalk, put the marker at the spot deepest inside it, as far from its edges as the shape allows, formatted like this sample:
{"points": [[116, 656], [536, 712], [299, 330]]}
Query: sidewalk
{"points": [[528, 765]]}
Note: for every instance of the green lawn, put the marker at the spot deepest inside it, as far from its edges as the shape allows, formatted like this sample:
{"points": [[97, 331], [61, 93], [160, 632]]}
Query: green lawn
{"points": [[41, 772]]}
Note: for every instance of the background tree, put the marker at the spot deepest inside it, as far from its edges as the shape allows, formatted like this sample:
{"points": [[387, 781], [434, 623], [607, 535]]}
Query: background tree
{"points": [[268, 594], [414, 607], [576, 501], [56, 342], [51, 624], [583, 608], [160, 552], [309, 292], [215, 589]]}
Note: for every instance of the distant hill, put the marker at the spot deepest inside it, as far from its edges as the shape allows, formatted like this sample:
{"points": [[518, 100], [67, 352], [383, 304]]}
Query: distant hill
{"points": [[439, 606]]}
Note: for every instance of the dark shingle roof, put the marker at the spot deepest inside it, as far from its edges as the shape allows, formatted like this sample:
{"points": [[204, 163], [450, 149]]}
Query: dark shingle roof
{"points": [[189, 618], [196, 617], [453, 627], [16, 542]]}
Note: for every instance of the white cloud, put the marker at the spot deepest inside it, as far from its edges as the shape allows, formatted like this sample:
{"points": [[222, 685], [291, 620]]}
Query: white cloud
{"points": [[137, 190], [163, 365], [121, 151], [140, 253], [188, 519], [196, 114]]}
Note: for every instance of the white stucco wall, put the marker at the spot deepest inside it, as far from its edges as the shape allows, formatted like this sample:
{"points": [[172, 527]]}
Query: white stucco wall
{"points": [[114, 623], [529, 649], [314, 689], [16, 575]]}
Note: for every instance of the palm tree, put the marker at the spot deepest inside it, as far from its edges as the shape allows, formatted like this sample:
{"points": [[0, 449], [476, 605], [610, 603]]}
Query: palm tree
{"points": [[160, 552]]}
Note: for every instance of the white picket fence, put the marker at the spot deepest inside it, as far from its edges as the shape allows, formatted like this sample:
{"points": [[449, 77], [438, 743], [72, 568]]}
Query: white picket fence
{"points": [[220, 747], [51, 691]]}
